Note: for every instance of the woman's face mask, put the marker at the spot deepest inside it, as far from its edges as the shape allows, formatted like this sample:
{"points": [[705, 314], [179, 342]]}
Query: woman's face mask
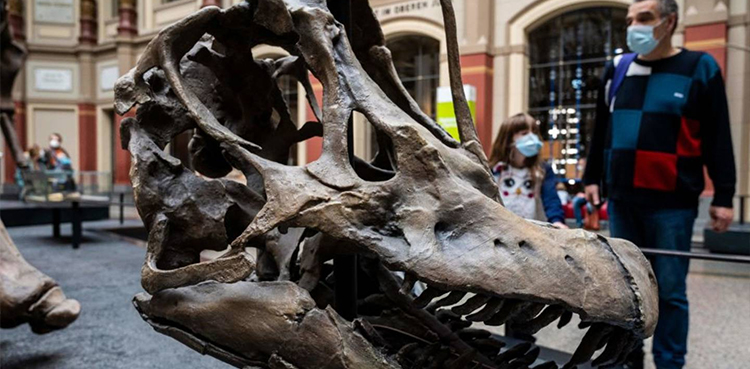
{"points": [[641, 38], [54, 143], [528, 145]]}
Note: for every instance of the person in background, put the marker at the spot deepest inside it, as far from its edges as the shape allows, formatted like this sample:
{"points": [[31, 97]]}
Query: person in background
{"points": [[661, 116], [562, 193], [578, 202], [526, 186], [36, 162], [56, 157]]}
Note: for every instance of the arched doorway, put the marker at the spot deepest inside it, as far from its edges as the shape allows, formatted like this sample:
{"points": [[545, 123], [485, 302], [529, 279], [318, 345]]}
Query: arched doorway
{"points": [[417, 62], [567, 55]]}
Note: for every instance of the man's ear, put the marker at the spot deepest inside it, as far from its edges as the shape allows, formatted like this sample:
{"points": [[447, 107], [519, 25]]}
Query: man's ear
{"points": [[672, 23]]}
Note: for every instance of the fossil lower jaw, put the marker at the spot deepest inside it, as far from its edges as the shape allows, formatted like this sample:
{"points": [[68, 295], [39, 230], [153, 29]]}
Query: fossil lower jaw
{"points": [[440, 321]]}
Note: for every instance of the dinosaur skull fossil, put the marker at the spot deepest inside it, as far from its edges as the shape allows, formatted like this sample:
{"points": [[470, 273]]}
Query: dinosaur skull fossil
{"points": [[426, 205]]}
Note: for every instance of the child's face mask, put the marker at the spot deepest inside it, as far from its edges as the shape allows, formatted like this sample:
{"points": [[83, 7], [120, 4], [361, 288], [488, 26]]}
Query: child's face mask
{"points": [[528, 145]]}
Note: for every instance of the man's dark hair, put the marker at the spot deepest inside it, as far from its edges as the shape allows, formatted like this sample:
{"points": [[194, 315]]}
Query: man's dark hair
{"points": [[58, 135], [667, 7]]}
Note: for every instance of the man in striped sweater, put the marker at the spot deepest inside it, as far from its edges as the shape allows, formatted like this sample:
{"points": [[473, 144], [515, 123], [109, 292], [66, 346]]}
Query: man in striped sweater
{"points": [[661, 116]]}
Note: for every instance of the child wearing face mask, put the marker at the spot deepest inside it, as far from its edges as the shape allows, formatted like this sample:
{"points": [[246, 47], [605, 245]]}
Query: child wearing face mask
{"points": [[527, 187]]}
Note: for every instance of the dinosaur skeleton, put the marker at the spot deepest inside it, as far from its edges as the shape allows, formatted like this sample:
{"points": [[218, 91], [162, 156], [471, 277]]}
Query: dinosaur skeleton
{"points": [[426, 206]]}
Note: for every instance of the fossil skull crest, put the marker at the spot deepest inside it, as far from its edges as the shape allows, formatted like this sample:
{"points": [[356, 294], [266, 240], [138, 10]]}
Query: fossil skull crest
{"points": [[426, 206]]}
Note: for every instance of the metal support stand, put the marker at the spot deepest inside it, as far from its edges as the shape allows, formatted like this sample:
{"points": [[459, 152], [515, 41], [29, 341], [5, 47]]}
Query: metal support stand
{"points": [[345, 267], [75, 220], [56, 222], [122, 207]]}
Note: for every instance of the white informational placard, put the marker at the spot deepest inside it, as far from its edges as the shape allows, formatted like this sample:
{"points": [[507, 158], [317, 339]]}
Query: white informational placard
{"points": [[55, 80], [107, 78], [54, 11]]}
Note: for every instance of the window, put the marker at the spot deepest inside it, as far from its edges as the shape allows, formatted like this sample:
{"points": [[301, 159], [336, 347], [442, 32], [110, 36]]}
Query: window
{"points": [[567, 55], [417, 62]]}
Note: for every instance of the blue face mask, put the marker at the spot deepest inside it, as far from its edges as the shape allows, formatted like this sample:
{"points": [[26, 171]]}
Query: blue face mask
{"points": [[528, 145], [641, 39]]}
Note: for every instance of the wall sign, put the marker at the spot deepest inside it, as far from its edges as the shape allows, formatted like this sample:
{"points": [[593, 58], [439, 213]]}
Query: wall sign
{"points": [[55, 80], [429, 9], [107, 78], [54, 11], [446, 115]]}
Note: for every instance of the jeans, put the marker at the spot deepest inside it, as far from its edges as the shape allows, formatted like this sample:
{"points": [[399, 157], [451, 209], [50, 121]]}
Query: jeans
{"points": [[577, 203], [668, 229]]}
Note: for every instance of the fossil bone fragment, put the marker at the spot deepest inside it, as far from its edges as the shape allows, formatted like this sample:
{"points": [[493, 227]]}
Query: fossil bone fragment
{"points": [[424, 209]]}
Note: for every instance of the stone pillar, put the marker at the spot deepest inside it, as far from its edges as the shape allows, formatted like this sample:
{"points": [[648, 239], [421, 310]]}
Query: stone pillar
{"points": [[15, 20], [477, 62], [121, 170], [16, 25], [476, 70], [19, 122], [206, 3], [88, 35], [127, 28], [127, 25], [87, 136]]}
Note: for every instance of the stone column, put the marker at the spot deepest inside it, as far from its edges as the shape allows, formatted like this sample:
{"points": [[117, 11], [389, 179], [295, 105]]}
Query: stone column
{"points": [[15, 20], [16, 25], [126, 54], [477, 62], [206, 3], [127, 25], [88, 18]]}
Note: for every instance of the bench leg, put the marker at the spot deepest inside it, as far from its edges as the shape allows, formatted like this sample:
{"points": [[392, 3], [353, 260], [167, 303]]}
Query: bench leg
{"points": [[56, 222], [76, 224]]}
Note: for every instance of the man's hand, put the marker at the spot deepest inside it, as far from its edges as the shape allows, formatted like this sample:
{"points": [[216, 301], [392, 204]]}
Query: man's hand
{"points": [[559, 225], [592, 195], [721, 218]]}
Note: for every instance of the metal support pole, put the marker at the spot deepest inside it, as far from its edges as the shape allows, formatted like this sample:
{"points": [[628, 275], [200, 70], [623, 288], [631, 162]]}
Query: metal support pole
{"points": [[75, 220], [345, 266], [56, 222], [122, 207], [697, 255]]}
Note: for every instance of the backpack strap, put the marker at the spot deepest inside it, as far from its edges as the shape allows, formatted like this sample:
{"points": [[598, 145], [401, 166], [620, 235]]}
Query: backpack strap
{"points": [[620, 71]]}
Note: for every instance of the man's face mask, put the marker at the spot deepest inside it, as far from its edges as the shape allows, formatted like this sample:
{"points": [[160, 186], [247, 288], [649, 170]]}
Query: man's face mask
{"points": [[641, 38], [528, 145], [54, 143]]}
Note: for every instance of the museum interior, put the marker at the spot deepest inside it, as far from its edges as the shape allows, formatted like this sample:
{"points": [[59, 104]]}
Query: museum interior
{"points": [[303, 184]]}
